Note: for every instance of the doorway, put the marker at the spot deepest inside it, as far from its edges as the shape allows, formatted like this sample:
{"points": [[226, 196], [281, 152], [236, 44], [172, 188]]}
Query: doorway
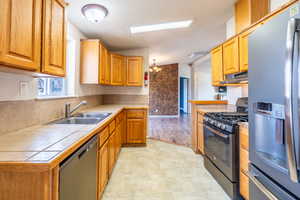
{"points": [[184, 92]]}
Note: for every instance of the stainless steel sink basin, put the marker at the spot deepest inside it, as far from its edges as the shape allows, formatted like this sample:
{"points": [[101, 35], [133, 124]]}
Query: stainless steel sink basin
{"points": [[78, 120], [93, 115], [84, 118]]}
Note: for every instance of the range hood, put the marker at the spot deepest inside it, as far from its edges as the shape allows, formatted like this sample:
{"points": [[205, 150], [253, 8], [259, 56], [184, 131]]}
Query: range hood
{"points": [[236, 78]]}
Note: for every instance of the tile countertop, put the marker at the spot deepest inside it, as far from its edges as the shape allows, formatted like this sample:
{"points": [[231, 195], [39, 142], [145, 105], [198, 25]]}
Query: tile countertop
{"points": [[51, 143], [216, 108]]}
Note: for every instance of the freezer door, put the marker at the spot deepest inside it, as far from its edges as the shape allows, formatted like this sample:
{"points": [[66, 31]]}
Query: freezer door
{"points": [[263, 188], [273, 90]]}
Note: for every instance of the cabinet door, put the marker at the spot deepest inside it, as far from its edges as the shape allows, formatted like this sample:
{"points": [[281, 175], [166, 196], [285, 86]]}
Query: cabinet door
{"points": [[20, 35], [103, 63], [54, 37], [231, 56], [103, 168], [243, 48], [89, 62], [108, 66], [111, 147], [123, 131], [134, 70], [200, 137], [136, 131], [117, 69], [217, 65]]}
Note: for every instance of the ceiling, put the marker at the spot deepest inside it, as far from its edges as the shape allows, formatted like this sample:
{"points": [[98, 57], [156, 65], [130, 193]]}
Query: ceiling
{"points": [[169, 46]]}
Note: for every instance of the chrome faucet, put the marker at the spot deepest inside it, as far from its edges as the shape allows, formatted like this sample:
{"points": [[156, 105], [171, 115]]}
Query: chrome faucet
{"points": [[68, 111]]}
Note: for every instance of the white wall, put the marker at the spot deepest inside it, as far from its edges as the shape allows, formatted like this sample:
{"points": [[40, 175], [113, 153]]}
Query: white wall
{"points": [[202, 87], [277, 3], [80, 90], [131, 90]]}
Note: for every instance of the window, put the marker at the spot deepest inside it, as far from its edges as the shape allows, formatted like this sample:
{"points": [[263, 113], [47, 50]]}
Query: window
{"points": [[51, 87], [60, 87]]}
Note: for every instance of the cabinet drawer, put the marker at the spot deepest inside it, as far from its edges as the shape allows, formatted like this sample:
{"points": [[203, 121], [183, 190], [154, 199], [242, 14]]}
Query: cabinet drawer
{"points": [[112, 126], [135, 114], [244, 160], [244, 138], [244, 185], [103, 136]]}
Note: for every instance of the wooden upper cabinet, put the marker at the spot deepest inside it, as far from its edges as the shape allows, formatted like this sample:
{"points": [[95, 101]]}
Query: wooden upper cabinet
{"points": [[90, 62], [54, 37], [231, 56], [108, 67], [117, 69], [21, 33], [243, 49], [134, 70], [103, 63], [248, 12], [217, 65]]}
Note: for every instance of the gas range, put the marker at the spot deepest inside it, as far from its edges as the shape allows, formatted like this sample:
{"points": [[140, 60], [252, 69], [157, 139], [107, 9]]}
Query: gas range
{"points": [[226, 121]]}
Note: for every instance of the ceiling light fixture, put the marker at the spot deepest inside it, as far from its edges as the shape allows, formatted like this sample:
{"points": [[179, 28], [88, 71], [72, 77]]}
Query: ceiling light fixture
{"points": [[158, 27], [154, 67], [94, 12]]}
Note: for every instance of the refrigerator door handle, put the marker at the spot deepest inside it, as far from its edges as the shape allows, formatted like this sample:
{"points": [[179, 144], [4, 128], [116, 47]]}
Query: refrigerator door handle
{"points": [[261, 187], [289, 120]]}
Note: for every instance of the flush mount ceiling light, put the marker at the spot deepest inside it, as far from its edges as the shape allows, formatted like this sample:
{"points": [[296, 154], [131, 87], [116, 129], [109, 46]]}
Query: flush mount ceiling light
{"points": [[159, 27], [94, 12]]}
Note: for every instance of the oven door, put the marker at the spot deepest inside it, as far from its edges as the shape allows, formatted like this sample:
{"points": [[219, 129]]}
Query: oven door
{"points": [[220, 148]]}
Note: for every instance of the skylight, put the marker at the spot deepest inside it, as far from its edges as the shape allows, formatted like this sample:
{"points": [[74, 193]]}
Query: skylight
{"points": [[159, 27]]}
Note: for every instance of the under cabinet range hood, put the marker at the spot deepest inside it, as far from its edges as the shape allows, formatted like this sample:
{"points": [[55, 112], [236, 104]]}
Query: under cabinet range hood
{"points": [[236, 78]]}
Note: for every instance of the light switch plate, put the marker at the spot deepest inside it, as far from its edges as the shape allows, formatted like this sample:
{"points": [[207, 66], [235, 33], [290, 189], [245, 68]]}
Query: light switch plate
{"points": [[24, 88]]}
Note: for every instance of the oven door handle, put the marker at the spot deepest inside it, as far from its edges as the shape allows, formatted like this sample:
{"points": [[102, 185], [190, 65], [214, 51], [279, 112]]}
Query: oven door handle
{"points": [[217, 132]]}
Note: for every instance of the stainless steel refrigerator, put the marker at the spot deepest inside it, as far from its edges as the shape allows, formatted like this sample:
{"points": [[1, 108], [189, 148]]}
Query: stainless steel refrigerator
{"points": [[274, 108]]}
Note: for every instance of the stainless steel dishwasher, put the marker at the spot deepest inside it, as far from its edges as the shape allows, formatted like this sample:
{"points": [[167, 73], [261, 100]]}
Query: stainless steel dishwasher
{"points": [[78, 176]]}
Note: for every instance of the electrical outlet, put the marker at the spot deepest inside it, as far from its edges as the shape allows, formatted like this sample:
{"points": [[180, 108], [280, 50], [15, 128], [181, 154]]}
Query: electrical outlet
{"points": [[24, 88]]}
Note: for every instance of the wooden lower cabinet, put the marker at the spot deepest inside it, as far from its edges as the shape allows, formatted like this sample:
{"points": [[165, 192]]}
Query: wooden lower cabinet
{"points": [[112, 147], [244, 162], [135, 128], [200, 133], [103, 155]]}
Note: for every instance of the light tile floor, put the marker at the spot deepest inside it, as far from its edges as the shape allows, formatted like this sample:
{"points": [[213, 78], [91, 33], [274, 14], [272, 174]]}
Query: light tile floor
{"points": [[161, 171]]}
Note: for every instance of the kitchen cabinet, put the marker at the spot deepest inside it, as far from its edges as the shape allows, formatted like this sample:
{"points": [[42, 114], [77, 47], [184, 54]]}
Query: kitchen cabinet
{"points": [[248, 12], [136, 127], [112, 152], [134, 70], [217, 65], [21, 34], [244, 161], [200, 133], [103, 64], [33, 35], [54, 37], [94, 62], [117, 69], [103, 159], [107, 68], [231, 56]]}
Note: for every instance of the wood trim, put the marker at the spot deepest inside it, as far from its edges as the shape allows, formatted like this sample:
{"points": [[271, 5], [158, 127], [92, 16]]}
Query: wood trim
{"points": [[212, 102]]}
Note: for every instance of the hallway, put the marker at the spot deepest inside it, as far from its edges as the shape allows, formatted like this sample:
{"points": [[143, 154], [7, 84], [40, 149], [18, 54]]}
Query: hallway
{"points": [[172, 129], [161, 171]]}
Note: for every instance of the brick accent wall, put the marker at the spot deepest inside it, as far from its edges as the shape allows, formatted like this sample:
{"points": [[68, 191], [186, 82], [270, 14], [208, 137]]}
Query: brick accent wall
{"points": [[164, 91]]}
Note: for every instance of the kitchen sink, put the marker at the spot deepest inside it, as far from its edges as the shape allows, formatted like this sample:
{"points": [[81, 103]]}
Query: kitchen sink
{"points": [[78, 120], [84, 118], [93, 115]]}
